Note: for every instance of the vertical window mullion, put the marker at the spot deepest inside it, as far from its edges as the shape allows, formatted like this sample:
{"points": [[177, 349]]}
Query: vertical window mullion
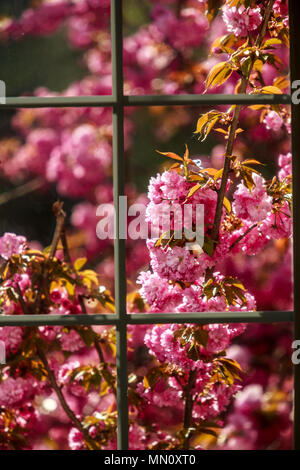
{"points": [[119, 248], [294, 9]]}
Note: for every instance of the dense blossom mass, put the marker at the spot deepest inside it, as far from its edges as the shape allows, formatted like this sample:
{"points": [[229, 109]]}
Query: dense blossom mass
{"points": [[58, 386]]}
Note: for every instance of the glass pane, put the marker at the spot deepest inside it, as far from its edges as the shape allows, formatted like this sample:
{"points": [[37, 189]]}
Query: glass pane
{"points": [[234, 262], [216, 387], [49, 47], [51, 155], [170, 47], [57, 388]]}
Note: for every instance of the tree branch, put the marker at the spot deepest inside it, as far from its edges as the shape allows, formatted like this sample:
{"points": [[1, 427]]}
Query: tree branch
{"points": [[60, 215], [96, 344], [71, 415], [64, 242], [242, 236], [21, 300], [231, 137], [188, 408], [60, 222], [22, 190]]}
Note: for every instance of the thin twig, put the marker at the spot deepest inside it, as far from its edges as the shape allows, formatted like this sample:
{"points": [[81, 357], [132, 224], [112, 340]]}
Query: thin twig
{"points": [[82, 304], [60, 218], [22, 190], [60, 223], [60, 215], [21, 300], [242, 236], [263, 30], [64, 242], [62, 400], [226, 169], [188, 407], [96, 343]]}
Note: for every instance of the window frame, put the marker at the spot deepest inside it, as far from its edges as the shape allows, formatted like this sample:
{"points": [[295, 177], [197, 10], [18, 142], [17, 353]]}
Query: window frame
{"points": [[121, 319]]}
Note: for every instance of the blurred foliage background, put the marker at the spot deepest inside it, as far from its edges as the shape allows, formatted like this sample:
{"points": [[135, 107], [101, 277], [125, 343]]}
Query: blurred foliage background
{"points": [[50, 61]]}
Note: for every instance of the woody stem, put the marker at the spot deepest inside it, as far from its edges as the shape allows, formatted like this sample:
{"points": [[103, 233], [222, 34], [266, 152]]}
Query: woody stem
{"points": [[231, 136], [188, 407]]}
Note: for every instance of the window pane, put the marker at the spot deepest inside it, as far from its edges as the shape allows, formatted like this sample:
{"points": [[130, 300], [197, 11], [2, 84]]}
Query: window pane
{"points": [[254, 247], [250, 411], [50, 47], [57, 388], [171, 46], [51, 155]]}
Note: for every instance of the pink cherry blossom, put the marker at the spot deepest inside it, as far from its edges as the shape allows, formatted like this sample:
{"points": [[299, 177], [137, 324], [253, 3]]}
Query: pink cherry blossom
{"points": [[12, 337], [273, 121], [241, 20], [254, 205], [11, 244]]}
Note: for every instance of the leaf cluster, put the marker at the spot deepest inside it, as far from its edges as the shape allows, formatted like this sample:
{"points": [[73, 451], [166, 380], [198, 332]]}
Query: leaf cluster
{"points": [[230, 288]]}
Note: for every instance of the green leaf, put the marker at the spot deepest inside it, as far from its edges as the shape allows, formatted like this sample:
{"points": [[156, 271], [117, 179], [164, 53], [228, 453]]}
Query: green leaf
{"points": [[227, 205], [79, 263], [251, 161], [202, 121], [90, 421], [218, 175], [178, 333], [158, 242], [208, 246], [235, 282], [271, 90], [193, 352], [218, 74], [209, 127], [193, 190], [234, 3], [152, 377], [108, 377], [271, 42], [239, 293], [210, 171], [201, 337], [248, 180], [229, 295], [197, 178], [206, 123], [225, 43], [88, 335], [247, 66], [186, 153], [172, 155], [281, 82], [221, 131], [209, 431]]}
